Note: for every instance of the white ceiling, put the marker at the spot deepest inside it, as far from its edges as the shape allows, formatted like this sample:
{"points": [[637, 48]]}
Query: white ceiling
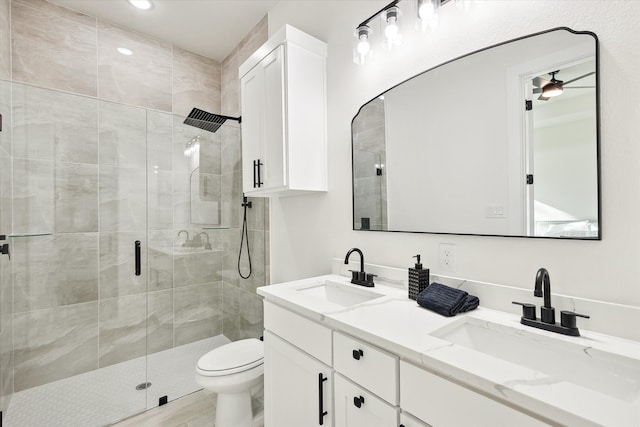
{"points": [[209, 27]]}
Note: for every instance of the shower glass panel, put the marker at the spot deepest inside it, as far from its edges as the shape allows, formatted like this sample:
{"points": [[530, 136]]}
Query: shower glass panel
{"points": [[92, 331], [79, 311]]}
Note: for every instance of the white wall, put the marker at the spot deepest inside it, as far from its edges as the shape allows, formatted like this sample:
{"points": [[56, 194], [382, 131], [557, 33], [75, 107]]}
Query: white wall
{"points": [[307, 231]]}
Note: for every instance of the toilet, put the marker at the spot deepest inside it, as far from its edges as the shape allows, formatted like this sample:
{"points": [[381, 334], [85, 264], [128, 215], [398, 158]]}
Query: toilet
{"points": [[233, 371]]}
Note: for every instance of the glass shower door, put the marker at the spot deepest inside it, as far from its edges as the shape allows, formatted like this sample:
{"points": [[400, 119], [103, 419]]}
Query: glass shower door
{"points": [[79, 311]]}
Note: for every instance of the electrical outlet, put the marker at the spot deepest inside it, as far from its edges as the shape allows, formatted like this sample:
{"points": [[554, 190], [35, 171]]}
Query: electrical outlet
{"points": [[447, 259]]}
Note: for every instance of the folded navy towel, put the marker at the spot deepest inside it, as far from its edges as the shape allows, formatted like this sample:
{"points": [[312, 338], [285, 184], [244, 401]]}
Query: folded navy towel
{"points": [[447, 301]]}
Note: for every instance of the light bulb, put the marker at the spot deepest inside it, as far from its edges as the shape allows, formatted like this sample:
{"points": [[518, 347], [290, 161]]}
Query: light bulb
{"points": [[363, 45], [141, 4], [426, 10], [391, 32]]}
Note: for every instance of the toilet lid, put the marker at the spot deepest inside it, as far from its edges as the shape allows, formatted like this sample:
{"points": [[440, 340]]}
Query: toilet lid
{"points": [[233, 357]]}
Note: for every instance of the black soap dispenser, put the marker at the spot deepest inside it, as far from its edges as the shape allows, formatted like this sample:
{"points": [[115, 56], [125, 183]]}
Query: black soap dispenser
{"points": [[418, 279]]}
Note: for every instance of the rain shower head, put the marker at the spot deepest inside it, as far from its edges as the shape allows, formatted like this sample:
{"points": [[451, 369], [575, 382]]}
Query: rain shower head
{"points": [[207, 121]]}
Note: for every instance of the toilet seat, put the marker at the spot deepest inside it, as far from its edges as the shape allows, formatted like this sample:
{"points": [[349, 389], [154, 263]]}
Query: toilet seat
{"points": [[232, 358]]}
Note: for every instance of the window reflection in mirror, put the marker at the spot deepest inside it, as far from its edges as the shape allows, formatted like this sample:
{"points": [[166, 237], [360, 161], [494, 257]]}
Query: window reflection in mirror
{"points": [[481, 145]]}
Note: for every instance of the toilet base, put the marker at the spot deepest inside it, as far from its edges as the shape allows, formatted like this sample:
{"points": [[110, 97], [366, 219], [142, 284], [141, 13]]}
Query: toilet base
{"points": [[234, 410]]}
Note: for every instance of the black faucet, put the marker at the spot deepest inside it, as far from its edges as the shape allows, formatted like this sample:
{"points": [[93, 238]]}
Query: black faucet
{"points": [[547, 313], [547, 322], [359, 277]]}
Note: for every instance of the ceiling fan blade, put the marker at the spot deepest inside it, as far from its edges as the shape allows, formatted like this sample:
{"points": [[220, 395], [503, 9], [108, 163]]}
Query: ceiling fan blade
{"points": [[578, 87], [539, 82], [537, 90], [543, 98], [578, 78]]}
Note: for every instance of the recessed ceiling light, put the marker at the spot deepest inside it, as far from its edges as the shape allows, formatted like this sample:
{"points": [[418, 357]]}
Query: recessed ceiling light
{"points": [[141, 4], [125, 51]]}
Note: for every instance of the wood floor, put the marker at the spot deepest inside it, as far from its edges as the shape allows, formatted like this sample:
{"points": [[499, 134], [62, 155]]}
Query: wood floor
{"points": [[195, 410]]}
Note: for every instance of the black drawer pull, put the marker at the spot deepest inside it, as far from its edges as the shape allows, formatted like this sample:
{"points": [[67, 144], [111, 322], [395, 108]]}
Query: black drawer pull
{"points": [[321, 411], [358, 401], [357, 354]]}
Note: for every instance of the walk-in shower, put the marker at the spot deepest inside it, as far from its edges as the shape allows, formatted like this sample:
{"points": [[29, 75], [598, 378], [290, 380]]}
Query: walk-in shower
{"points": [[84, 339]]}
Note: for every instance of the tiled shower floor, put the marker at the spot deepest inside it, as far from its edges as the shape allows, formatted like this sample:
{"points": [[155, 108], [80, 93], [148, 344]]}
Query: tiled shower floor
{"points": [[106, 395]]}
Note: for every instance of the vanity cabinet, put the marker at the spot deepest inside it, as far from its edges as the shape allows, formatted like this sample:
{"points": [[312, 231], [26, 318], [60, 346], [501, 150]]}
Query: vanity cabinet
{"points": [[298, 379], [357, 407], [318, 376], [443, 403], [283, 95], [298, 388]]}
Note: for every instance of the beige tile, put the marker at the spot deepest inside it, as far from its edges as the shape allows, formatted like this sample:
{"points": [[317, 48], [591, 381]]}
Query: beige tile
{"points": [[33, 205], [159, 321], [53, 47], [117, 264], [232, 199], [46, 340], [160, 199], [196, 83], [76, 198], [159, 140], [252, 41], [141, 79], [5, 40], [201, 266], [231, 149], [58, 270], [197, 312], [122, 199], [123, 329], [230, 85], [52, 125], [160, 254], [123, 135], [251, 315], [6, 361], [231, 311], [5, 110]]}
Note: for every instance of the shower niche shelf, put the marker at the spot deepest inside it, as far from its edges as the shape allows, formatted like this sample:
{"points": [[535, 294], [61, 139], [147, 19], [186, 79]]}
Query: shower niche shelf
{"points": [[19, 235]]}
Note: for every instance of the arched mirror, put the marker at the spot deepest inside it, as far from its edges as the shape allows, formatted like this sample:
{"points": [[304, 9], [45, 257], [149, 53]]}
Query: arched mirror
{"points": [[502, 141]]}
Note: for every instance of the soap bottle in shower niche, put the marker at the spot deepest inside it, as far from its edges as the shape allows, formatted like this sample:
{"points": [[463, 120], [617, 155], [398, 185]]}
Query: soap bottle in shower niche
{"points": [[418, 279]]}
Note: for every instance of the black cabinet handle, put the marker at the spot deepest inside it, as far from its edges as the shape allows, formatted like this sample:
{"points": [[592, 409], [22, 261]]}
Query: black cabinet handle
{"points": [[358, 401], [255, 165], [259, 178], [137, 246], [321, 411], [357, 354]]}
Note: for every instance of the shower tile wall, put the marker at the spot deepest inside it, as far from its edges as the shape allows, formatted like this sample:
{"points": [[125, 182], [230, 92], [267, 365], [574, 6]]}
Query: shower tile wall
{"points": [[370, 189], [80, 125], [6, 289], [242, 306]]}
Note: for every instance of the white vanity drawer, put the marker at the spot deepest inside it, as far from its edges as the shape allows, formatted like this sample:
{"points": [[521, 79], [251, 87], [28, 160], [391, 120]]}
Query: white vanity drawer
{"points": [[356, 407], [442, 403], [305, 334], [367, 365]]}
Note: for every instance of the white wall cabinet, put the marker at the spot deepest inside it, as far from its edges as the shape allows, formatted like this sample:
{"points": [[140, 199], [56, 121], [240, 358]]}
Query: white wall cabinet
{"points": [[283, 93]]}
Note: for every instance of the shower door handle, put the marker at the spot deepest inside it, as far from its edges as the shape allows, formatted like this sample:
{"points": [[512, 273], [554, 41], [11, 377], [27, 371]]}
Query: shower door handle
{"points": [[137, 247]]}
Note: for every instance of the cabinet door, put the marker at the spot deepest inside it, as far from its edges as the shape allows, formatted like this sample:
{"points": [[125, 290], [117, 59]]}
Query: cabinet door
{"points": [[252, 88], [274, 170], [297, 387], [356, 407], [407, 420]]}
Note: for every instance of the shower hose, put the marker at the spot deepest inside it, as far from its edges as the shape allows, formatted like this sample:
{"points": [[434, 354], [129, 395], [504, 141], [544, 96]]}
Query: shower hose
{"points": [[244, 236]]}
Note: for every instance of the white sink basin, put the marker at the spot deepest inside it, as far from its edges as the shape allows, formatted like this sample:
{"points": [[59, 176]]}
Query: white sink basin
{"points": [[339, 294], [559, 359]]}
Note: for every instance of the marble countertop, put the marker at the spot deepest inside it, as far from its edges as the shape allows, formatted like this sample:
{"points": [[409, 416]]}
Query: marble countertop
{"points": [[397, 324]]}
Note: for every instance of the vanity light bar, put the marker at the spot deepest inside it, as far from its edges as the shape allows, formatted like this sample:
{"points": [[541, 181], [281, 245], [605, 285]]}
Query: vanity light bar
{"points": [[362, 45]]}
